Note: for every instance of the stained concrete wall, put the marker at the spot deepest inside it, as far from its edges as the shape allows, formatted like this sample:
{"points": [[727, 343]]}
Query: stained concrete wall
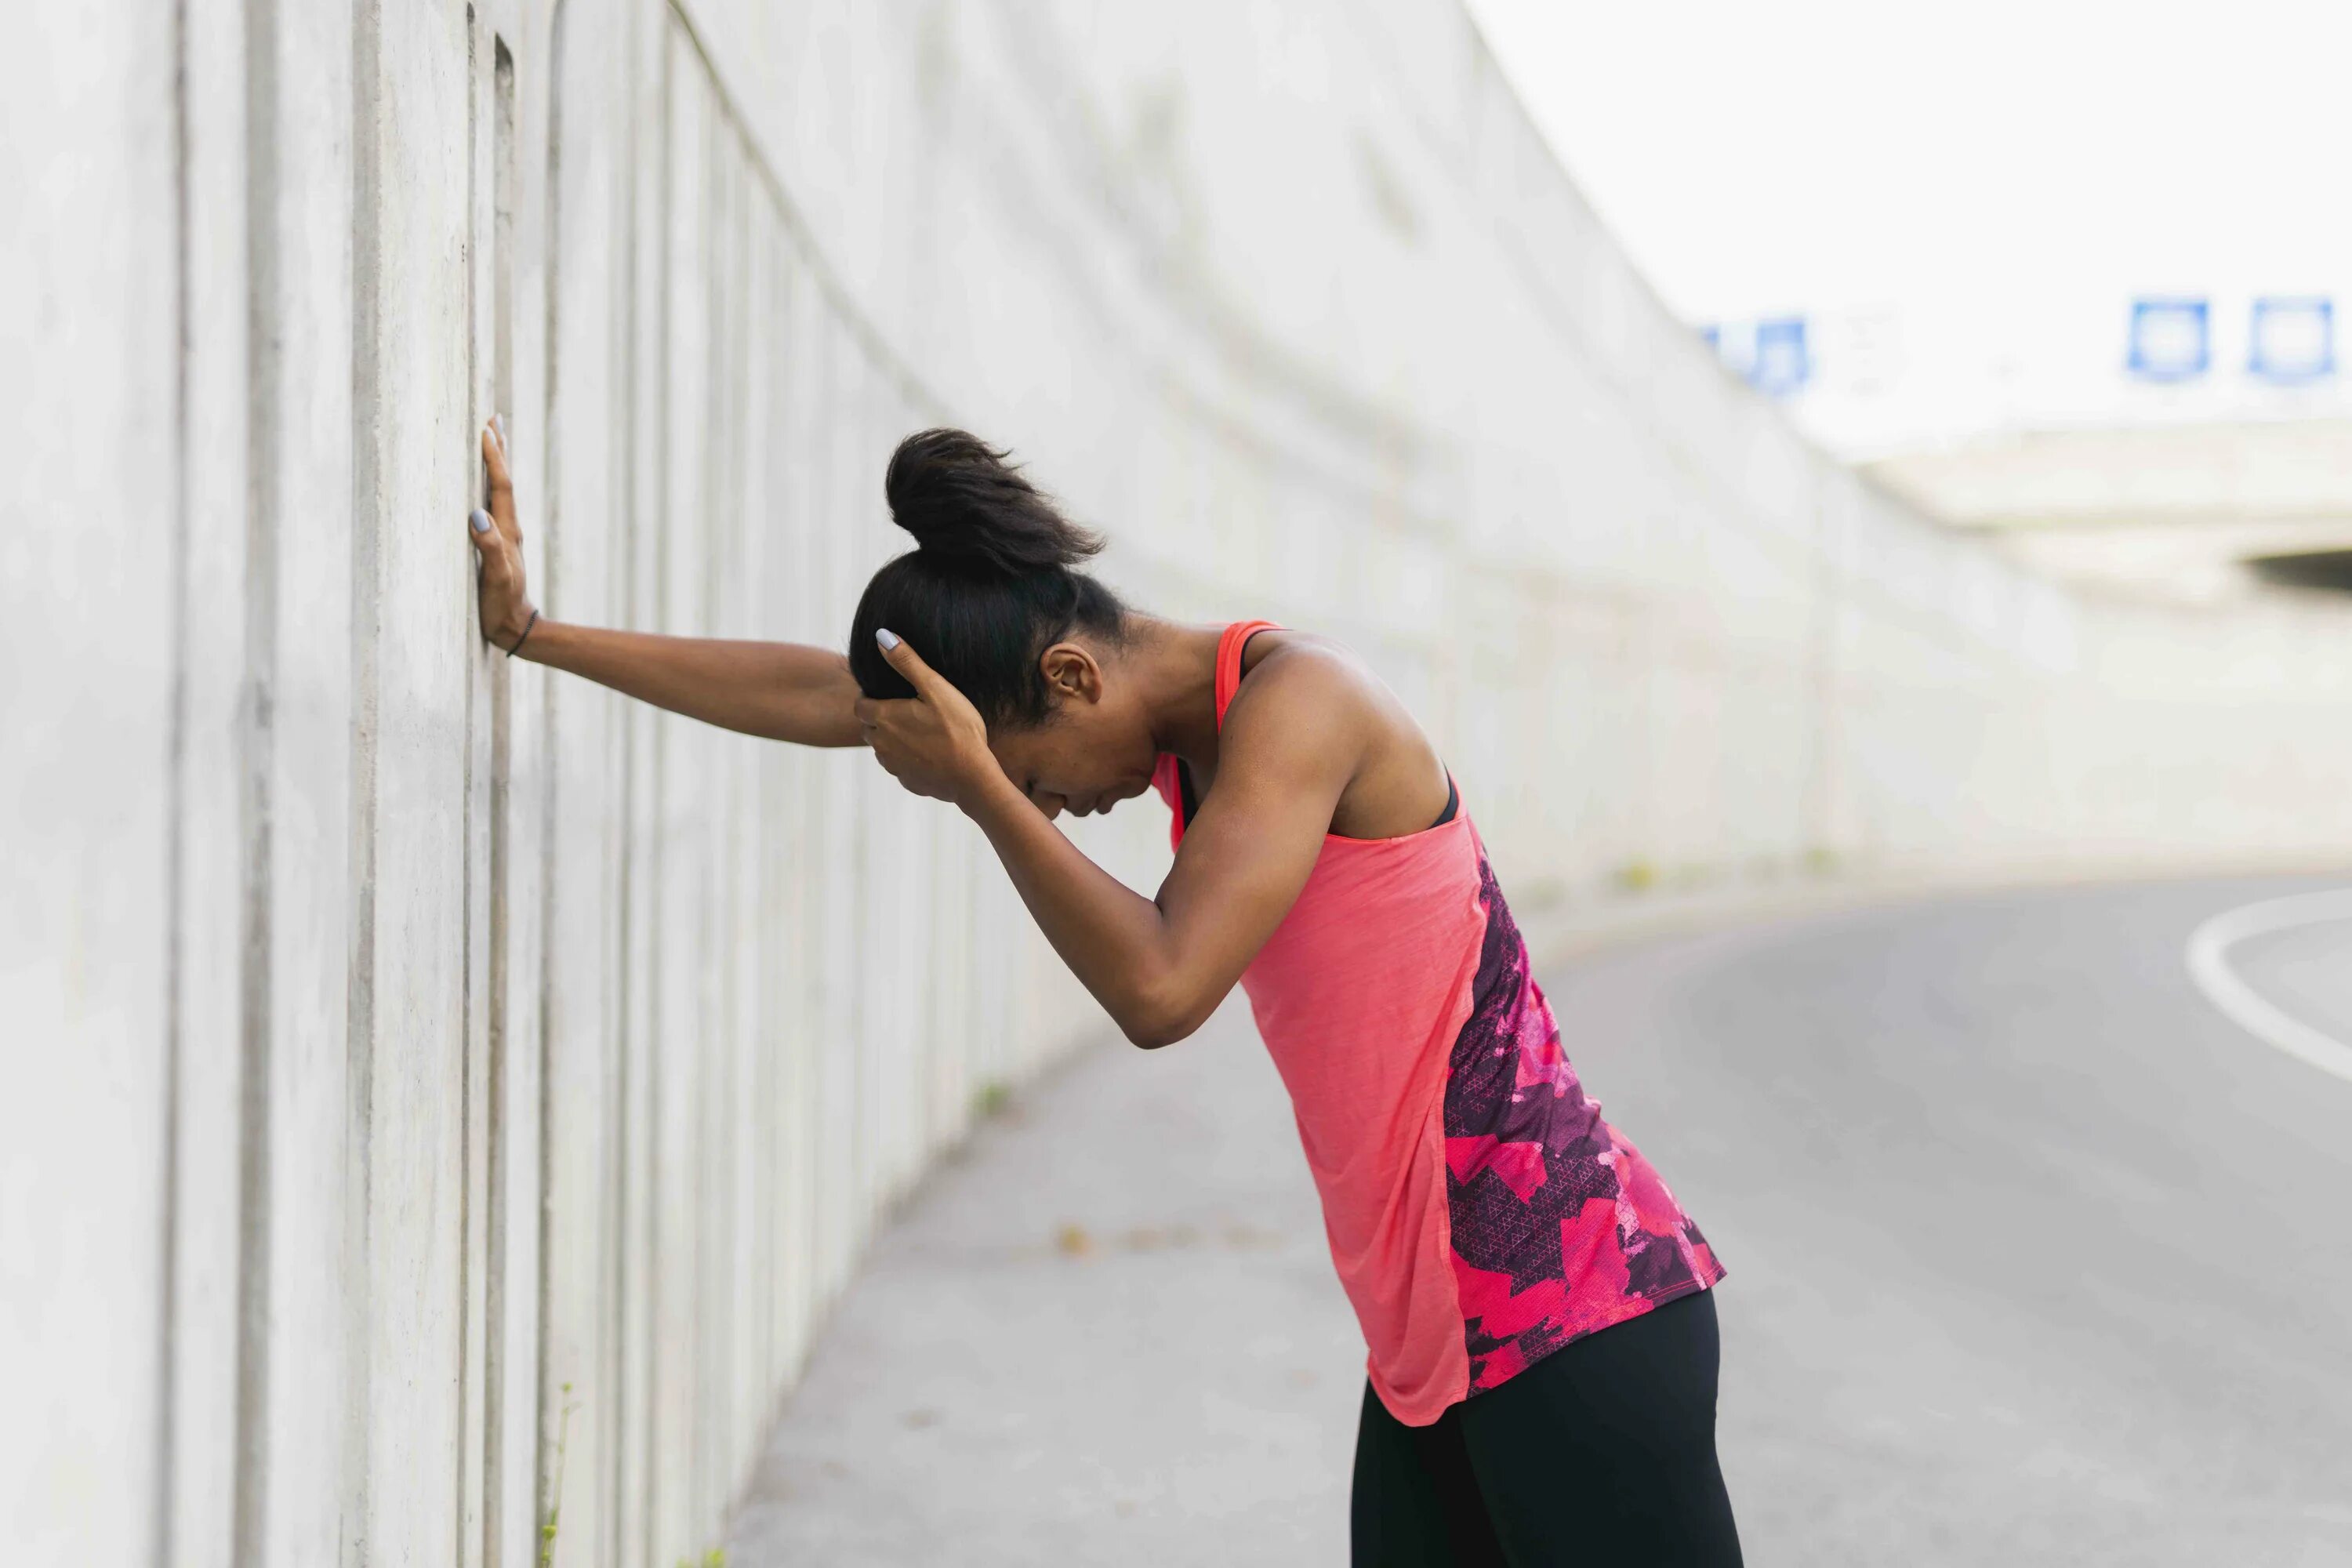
{"points": [[436, 1089]]}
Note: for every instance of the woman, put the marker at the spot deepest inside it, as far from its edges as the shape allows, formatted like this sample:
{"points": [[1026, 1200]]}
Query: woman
{"points": [[1542, 1347]]}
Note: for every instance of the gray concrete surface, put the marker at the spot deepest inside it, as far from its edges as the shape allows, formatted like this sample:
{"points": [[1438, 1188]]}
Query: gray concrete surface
{"points": [[2035, 1259]]}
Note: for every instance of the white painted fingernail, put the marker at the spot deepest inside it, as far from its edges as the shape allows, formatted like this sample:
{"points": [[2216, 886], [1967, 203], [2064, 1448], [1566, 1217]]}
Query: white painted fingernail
{"points": [[886, 638], [481, 520]]}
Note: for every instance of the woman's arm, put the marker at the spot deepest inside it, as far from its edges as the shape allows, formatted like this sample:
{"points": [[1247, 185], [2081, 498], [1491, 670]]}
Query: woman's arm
{"points": [[1158, 966], [780, 692]]}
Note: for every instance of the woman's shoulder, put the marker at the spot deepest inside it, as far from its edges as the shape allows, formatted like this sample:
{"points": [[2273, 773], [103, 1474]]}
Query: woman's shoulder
{"points": [[1301, 664], [1291, 678], [1311, 697]]}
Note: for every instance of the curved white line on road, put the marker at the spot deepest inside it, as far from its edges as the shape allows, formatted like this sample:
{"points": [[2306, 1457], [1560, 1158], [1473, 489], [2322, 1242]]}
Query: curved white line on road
{"points": [[2208, 966]]}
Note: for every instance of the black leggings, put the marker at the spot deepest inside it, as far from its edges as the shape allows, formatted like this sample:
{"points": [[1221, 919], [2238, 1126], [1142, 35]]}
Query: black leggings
{"points": [[1601, 1453]]}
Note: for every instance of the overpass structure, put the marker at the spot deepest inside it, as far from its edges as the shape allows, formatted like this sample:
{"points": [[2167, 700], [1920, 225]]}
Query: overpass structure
{"points": [[442, 1095]]}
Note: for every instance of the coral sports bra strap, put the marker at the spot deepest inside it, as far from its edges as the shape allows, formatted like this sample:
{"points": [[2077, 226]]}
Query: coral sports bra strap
{"points": [[1229, 660]]}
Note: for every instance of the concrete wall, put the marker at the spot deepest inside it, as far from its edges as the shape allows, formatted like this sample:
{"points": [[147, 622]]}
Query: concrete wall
{"points": [[429, 1079]]}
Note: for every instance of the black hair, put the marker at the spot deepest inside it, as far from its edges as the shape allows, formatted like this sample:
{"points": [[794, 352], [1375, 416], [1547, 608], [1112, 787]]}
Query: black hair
{"points": [[989, 584]]}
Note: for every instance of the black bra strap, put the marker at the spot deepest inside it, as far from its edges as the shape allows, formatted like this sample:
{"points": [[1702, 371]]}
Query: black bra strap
{"points": [[1453, 802]]}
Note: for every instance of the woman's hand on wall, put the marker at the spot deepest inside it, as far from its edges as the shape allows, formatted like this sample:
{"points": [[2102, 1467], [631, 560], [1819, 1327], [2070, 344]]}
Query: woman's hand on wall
{"points": [[504, 601], [934, 742], [779, 691]]}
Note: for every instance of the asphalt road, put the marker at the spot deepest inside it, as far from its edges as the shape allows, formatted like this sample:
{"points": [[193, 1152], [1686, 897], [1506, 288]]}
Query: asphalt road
{"points": [[2036, 1258]]}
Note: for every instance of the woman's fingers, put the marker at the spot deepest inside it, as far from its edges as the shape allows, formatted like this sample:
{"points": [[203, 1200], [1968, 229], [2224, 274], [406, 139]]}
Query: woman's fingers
{"points": [[485, 535], [883, 735], [503, 606], [501, 483], [901, 732], [502, 545], [900, 655], [934, 742], [499, 586], [496, 557]]}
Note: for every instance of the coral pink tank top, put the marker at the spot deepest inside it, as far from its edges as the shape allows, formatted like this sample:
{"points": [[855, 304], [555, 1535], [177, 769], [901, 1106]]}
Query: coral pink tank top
{"points": [[1480, 1212]]}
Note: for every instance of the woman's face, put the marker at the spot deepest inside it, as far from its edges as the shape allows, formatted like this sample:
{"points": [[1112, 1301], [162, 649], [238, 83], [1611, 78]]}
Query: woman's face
{"points": [[1093, 751]]}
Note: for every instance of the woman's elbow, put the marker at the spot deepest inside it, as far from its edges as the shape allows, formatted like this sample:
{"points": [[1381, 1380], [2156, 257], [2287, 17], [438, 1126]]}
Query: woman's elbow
{"points": [[1151, 1023], [1153, 1034]]}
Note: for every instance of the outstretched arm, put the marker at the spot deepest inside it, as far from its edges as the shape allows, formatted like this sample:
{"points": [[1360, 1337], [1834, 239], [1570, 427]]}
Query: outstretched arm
{"points": [[779, 692], [1158, 966]]}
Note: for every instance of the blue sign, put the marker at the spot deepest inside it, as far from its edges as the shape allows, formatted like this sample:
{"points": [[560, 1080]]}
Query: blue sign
{"points": [[2171, 340], [1782, 363], [2292, 337]]}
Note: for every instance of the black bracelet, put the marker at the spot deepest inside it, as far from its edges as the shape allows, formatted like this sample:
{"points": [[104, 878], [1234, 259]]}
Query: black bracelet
{"points": [[526, 632]]}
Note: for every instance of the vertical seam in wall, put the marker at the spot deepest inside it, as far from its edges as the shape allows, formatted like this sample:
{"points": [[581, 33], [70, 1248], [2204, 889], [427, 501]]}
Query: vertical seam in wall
{"points": [[740, 1265], [620, 559], [862, 821], [549, 759], [761, 266], [161, 1510], [746, 1264], [657, 846], [747, 1374], [777, 346], [823, 977], [251, 1450], [494, 1294], [471, 675], [358, 1110], [710, 1009]]}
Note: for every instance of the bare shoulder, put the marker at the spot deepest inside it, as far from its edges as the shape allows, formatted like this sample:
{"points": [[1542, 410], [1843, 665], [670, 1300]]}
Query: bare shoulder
{"points": [[1303, 693], [1297, 678], [1300, 725], [1312, 705]]}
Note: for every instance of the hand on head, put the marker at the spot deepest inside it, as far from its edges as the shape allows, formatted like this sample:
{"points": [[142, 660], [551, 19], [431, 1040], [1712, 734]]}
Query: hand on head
{"points": [[934, 742]]}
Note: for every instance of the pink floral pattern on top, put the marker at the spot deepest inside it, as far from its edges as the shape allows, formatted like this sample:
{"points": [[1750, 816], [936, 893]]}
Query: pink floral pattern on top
{"points": [[1559, 1226]]}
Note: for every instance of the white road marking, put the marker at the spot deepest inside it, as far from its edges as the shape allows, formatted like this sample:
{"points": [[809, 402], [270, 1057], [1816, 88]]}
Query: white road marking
{"points": [[2208, 966]]}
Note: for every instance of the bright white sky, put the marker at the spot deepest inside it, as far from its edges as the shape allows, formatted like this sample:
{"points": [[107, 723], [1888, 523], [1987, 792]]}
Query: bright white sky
{"points": [[1758, 156]]}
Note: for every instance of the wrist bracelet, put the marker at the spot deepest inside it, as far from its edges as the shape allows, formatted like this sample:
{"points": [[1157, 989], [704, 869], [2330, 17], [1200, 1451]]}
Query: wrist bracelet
{"points": [[526, 633]]}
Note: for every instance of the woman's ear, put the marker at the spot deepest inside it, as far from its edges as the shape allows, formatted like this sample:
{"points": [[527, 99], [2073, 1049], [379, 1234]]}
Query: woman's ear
{"points": [[1071, 673]]}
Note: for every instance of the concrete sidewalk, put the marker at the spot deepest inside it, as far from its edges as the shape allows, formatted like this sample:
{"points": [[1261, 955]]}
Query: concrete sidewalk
{"points": [[1008, 1338], [997, 1378], [1965, 1156]]}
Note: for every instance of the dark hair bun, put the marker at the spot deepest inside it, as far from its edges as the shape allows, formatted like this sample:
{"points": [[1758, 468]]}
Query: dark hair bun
{"points": [[963, 502]]}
